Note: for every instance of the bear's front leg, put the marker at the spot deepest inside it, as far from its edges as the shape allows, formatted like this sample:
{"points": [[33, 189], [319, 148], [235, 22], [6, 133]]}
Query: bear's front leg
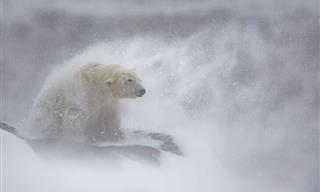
{"points": [[104, 126], [74, 121]]}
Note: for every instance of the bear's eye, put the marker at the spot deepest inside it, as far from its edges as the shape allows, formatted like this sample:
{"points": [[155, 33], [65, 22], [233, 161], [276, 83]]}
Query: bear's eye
{"points": [[130, 80]]}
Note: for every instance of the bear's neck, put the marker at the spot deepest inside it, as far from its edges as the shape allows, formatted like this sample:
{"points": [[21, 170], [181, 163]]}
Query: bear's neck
{"points": [[98, 100], [97, 93]]}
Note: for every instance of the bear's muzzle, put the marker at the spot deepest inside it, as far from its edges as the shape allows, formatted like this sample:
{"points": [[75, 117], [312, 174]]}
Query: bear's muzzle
{"points": [[141, 92]]}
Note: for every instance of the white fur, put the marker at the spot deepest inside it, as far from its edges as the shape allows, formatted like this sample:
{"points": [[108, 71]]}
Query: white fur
{"points": [[82, 104]]}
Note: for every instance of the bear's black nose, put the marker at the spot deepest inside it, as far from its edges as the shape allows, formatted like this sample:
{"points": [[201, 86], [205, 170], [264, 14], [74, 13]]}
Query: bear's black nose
{"points": [[141, 92]]}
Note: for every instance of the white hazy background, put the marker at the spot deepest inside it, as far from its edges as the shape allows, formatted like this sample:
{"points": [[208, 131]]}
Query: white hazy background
{"points": [[236, 83]]}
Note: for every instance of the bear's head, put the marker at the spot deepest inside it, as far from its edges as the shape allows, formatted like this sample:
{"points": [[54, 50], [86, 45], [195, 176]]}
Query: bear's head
{"points": [[115, 80], [125, 83]]}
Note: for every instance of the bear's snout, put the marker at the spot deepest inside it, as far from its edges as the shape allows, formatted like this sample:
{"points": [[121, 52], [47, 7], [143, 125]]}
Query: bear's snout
{"points": [[141, 92]]}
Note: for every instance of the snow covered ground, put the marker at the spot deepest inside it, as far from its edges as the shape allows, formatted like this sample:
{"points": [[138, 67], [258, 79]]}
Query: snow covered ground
{"points": [[235, 83]]}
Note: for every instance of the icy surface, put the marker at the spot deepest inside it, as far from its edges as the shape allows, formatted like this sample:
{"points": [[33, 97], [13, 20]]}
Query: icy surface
{"points": [[235, 83]]}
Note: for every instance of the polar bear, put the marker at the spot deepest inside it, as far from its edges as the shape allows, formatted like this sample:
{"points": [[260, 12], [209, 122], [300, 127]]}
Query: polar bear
{"points": [[83, 105]]}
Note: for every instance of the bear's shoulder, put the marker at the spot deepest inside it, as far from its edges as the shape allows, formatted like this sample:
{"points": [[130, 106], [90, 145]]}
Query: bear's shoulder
{"points": [[95, 67]]}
